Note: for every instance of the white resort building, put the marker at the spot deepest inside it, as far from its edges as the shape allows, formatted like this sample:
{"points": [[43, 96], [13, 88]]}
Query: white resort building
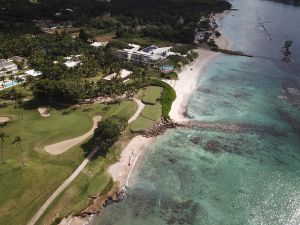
{"points": [[149, 55], [7, 67], [72, 61]]}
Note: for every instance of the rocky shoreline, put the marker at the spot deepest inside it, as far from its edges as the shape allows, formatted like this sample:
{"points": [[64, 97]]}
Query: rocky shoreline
{"points": [[161, 126]]}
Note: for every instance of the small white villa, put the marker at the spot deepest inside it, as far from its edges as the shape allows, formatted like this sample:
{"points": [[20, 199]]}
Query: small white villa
{"points": [[99, 44], [7, 67], [33, 73], [72, 61], [123, 74], [149, 55]]}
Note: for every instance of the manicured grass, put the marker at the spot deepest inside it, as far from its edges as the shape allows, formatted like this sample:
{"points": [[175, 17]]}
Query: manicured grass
{"points": [[152, 93], [168, 95], [24, 190], [141, 124], [97, 184], [76, 197], [152, 112]]}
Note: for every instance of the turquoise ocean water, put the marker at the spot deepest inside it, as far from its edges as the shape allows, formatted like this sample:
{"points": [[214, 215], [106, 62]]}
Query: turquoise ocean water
{"points": [[251, 177]]}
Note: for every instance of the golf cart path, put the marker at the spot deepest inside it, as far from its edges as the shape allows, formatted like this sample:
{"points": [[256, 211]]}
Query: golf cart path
{"points": [[63, 146], [69, 180], [61, 188], [138, 111]]}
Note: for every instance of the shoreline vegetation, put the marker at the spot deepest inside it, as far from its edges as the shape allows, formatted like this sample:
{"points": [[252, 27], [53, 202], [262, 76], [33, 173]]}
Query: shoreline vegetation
{"points": [[132, 155], [66, 98]]}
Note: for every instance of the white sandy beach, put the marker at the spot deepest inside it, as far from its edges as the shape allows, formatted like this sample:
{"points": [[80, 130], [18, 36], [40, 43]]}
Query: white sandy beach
{"points": [[184, 86], [187, 81], [222, 41], [122, 170]]}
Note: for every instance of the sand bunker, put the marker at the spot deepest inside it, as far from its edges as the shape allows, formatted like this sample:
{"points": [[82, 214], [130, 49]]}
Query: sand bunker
{"points": [[44, 111], [4, 119], [63, 146]]}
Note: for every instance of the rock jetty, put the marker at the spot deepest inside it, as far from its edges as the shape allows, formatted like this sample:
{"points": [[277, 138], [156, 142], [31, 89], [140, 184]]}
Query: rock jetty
{"points": [[161, 126]]}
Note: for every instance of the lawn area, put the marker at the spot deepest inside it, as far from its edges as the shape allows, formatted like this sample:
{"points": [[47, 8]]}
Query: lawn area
{"points": [[149, 115], [151, 94], [141, 124], [24, 190], [92, 180], [152, 112]]}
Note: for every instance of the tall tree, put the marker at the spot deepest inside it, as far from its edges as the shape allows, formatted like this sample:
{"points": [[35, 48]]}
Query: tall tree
{"points": [[2, 136], [19, 105], [18, 141]]}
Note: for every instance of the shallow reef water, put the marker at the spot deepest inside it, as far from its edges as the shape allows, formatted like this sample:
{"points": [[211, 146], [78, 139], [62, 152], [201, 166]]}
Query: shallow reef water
{"points": [[216, 177]]}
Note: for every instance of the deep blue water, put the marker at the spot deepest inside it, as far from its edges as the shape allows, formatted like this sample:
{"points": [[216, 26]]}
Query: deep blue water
{"points": [[254, 177]]}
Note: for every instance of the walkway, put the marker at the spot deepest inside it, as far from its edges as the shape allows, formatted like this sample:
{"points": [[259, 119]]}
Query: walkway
{"points": [[138, 111], [63, 146], [61, 188], [69, 180]]}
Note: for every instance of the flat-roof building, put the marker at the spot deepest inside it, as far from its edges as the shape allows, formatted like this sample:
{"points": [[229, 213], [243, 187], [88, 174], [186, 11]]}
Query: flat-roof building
{"points": [[7, 67], [149, 55]]}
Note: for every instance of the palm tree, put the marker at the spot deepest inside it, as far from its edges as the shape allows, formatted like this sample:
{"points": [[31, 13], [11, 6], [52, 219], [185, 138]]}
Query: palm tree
{"points": [[2, 136], [28, 81], [18, 79], [12, 77], [18, 140], [19, 105], [2, 78]]}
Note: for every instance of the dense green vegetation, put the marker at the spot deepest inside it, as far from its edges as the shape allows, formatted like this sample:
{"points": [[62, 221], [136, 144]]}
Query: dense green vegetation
{"points": [[143, 22], [107, 133], [168, 95], [23, 10], [173, 20]]}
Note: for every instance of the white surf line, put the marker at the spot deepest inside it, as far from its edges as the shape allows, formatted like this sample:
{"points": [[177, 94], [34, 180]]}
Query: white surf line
{"points": [[131, 169]]}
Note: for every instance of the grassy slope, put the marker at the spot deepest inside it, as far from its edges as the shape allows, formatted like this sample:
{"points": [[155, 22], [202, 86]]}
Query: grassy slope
{"points": [[27, 188], [76, 198], [149, 115], [152, 112], [152, 93]]}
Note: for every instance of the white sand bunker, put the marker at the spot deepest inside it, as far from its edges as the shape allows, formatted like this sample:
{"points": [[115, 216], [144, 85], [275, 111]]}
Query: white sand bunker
{"points": [[4, 119], [63, 146], [44, 111]]}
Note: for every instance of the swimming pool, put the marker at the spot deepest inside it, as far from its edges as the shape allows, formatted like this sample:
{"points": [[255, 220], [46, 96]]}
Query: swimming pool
{"points": [[167, 68], [10, 84]]}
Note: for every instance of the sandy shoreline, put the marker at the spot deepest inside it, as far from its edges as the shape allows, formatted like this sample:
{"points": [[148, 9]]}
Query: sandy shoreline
{"points": [[184, 87], [133, 153], [186, 83]]}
